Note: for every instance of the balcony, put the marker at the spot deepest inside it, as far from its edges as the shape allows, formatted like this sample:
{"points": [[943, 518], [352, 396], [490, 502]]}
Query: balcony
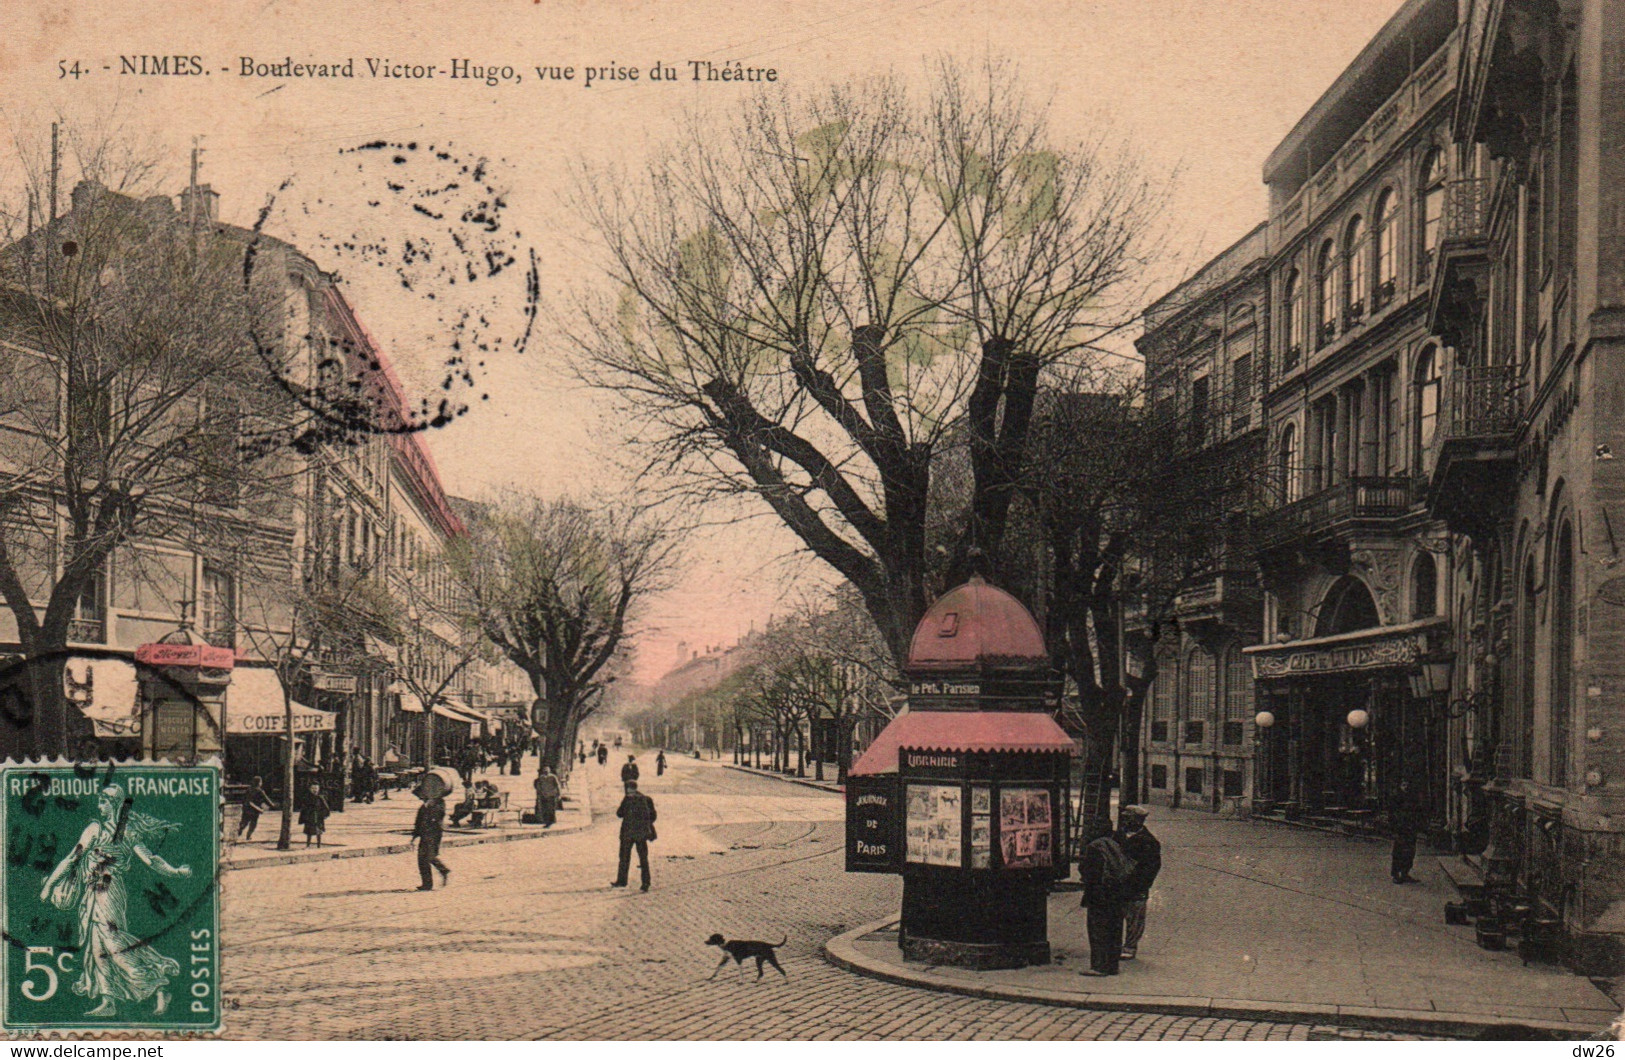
{"points": [[1459, 268], [1476, 462], [87, 631], [1361, 503]]}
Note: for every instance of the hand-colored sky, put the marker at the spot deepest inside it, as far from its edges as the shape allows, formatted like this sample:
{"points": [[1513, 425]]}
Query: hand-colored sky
{"points": [[1204, 87]]}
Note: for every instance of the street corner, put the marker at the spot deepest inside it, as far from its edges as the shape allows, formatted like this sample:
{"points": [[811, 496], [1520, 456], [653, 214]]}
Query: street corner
{"points": [[111, 898]]}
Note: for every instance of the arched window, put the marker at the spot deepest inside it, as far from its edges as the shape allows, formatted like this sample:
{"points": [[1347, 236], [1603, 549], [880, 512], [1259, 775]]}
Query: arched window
{"points": [[1291, 475], [1292, 321], [1326, 304], [1562, 662], [1354, 268], [1238, 688], [1424, 587], [1431, 190], [1386, 229], [1427, 400], [1200, 694], [1346, 607]]}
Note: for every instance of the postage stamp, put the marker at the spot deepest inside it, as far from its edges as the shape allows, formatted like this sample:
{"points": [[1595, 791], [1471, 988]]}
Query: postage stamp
{"points": [[110, 903]]}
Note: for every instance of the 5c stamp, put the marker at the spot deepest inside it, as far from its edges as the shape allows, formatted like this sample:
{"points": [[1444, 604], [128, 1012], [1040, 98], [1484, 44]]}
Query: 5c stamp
{"points": [[110, 905]]}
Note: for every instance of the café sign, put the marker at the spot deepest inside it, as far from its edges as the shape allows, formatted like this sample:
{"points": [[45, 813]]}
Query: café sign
{"points": [[1384, 652]]}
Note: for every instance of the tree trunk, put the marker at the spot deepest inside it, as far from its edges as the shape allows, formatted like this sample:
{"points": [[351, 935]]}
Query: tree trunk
{"points": [[801, 752], [284, 838]]}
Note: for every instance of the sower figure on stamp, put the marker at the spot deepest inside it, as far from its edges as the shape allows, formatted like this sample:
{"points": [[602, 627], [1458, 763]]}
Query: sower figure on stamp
{"points": [[1106, 871], [1142, 848], [114, 964], [637, 814], [426, 831], [255, 803]]}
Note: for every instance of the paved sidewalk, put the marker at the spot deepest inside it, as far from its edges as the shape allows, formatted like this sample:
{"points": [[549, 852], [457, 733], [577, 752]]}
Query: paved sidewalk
{"points": [[1264, 921], [385, 826], [808, 781]]}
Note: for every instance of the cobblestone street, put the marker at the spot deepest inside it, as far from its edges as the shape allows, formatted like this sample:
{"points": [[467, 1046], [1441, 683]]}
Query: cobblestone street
{"points": [[528, 941]]}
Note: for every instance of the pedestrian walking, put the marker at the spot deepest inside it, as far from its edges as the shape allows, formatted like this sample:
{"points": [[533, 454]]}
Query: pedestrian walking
{"points": [[426, 832], [1404, 822], [1142, 848], [629, 772], [581, 752], [603, 754], [1106, 870], [255, 803], [547, 797], [313, 815], [467, 759], [637, 814], [660, 763]]}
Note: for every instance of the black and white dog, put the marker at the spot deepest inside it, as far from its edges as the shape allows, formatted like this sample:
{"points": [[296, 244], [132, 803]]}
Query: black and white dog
{"points": [[742, 950]]}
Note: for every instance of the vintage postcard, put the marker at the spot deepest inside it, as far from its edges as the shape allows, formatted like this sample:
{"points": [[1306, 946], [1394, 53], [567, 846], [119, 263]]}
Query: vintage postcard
{"points": [[1034, 520]]}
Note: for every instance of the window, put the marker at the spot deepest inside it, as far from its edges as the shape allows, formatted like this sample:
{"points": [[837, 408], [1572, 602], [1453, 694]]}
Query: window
{"points": [[1200, 692], [1562, 662], [1292, 321], [1386, 229], [1241, 392], [1427, 400], [1354, 270], [1291, 477], [90, 612], [1424, 587], [1232, 783], [1194, 732], [1326, 304], [1238, 693], [1432, 211], [1193, 780], [217, 608], [1159, 777], [1197, 424]]}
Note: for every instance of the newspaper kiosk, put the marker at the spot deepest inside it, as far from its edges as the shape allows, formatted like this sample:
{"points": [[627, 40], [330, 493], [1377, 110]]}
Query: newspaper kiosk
{"points": [[964, 794]]}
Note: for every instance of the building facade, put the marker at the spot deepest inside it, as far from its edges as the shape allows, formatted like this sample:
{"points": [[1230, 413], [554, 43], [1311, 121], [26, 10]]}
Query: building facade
{"points": [[1442, 624]]}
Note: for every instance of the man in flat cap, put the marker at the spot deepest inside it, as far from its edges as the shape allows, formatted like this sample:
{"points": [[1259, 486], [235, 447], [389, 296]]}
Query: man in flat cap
{"points": [[1143, 849]]}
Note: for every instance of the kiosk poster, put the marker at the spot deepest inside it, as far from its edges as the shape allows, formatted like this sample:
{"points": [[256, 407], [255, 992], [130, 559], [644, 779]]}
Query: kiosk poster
{"points": [[1025, 828], [935, 834], [981, 828]]}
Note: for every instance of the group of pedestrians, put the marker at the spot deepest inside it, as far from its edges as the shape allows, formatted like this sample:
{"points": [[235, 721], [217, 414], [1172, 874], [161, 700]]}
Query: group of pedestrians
{"points": [[1118, 870]]}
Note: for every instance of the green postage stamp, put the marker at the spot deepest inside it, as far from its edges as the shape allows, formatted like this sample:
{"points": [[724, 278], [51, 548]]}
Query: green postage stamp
{"points": [[111, 900]]}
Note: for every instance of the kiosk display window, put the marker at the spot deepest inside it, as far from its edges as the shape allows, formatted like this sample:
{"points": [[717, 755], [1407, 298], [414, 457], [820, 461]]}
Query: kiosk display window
{"points": [[1026, 828], [934, 825]]}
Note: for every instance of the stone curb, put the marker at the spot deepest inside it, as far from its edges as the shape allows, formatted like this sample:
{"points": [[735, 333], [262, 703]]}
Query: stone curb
{"points": [[769, 774], [841, 952], [450, 840]]}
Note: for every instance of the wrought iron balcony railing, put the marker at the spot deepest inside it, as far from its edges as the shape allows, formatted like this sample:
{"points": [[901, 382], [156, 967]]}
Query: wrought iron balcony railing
{"points": [[1486, 401], [1355, 499], [87, 631], [1466, 209]]}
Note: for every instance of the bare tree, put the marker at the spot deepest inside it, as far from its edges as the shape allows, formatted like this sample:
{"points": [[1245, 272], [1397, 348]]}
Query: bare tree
{"points": [[806, 303], [139, 406], [552, 585]]}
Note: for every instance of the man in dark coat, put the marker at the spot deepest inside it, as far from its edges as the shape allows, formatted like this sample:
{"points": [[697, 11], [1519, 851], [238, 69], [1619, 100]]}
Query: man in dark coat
{"points": [[1405, 821], [637, 814], [603, 754], [1142, 848], [660, 763], [1105, 871], [547, 797], [426, 832], [629, 772]]}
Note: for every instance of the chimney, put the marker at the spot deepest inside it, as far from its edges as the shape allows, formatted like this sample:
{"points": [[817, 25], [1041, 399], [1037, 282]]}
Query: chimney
{"points": [[207, 204]]}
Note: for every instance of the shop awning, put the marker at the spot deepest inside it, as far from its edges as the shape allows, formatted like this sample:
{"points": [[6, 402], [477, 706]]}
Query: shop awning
{"points": [[453, 714], [1005, 732], [254, 707], [114, 707], [410, 703]]}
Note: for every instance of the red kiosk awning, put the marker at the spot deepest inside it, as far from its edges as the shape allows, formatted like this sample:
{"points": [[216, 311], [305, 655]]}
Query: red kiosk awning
{"points": [[1007, 732]]}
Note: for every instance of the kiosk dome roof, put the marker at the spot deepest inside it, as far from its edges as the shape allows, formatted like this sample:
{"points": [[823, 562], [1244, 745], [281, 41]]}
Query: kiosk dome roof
{"points": [[975, 624]]}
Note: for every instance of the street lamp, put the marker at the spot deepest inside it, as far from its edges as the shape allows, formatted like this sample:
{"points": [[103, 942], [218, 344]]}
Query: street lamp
{"points": [[1431, 682]]}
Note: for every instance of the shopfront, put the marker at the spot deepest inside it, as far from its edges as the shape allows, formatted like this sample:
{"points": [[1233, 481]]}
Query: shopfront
{"points": [[257, 726], [1339, 728]]}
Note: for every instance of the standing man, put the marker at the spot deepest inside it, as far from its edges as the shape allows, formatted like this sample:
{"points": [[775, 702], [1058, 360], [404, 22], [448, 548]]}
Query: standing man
{"points": [[660, 763], [637, 814], [629, 772], [1405, 820], [603, 754], [1142, 848], [547, 797], [426, 832], [1106, 869]]}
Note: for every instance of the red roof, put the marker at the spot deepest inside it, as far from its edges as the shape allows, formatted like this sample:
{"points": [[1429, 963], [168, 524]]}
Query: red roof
{"points": [[974, 623], [1009, 732]]}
